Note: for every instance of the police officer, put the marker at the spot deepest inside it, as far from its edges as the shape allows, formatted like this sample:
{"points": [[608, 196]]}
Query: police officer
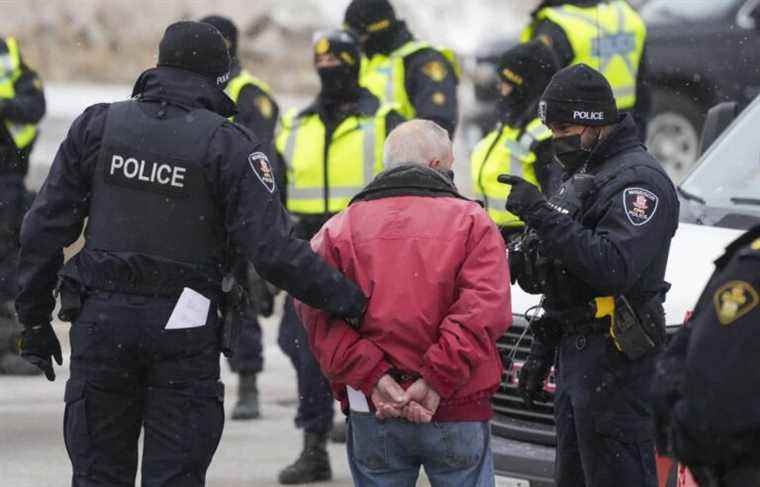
{"points": [[165, 181], [332, 149], [22, 106], [257, 111], [520, 143], [397, 68], [608, 35], [604, 238], [705, 383]]}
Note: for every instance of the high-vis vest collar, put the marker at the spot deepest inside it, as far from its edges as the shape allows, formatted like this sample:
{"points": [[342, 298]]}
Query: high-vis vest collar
{"points": [[608, 37], [354, 156], [505, 150], [10, 72], [385, 76]]}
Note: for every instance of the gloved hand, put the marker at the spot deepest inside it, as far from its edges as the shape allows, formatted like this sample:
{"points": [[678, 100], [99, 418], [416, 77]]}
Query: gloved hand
{"points": [[39, 346], [533, 374], [523, 196]]}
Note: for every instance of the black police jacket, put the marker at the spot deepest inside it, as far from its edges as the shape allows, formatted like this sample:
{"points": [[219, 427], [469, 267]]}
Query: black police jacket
{"points": [[250, 212], [714, 411], [619, 242]]}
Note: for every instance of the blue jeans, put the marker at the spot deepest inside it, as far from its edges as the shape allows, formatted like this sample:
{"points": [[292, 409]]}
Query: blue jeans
{"points": [[391, 452]]}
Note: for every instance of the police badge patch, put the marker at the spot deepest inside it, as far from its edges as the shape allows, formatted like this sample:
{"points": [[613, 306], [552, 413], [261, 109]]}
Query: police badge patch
{"points": [[734, 300], [640, 205], [259, 163]]}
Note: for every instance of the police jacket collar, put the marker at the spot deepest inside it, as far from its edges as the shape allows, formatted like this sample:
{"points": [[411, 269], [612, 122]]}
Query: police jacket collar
{"points": [[409, 180], [184, 88], [559, 3], [623, 137]]}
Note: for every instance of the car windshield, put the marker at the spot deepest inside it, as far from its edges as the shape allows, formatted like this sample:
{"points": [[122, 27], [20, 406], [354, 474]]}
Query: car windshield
{"points": [[729, 174], [663, 11]]}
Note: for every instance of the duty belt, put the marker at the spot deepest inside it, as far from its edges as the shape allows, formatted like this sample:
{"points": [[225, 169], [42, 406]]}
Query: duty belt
{"points": [[591, 319]]}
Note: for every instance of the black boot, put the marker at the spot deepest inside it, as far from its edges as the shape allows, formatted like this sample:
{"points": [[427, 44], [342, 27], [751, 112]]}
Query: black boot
{"points": [[338, 432], [313, 465], [247, 406]]}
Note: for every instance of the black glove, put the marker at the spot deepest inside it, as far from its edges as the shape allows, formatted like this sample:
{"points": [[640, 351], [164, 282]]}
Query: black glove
{"points": [[667, 386], [533, 374], [523, 196], [39, 346]]}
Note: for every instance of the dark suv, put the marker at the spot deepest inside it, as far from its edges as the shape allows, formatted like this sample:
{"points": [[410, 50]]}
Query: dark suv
{"points": [[699, 52]]}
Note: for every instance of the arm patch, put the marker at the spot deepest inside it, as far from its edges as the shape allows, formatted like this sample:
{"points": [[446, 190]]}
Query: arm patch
{"points": [[640, 205], [259, 163]]}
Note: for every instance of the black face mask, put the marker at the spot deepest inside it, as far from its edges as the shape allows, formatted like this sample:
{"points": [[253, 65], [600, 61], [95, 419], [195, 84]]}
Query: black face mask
{"points": [[341, 83], [570, 153]]}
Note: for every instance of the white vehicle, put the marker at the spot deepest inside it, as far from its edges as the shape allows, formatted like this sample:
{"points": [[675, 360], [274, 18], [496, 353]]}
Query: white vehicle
{"points": [[720, 199]]}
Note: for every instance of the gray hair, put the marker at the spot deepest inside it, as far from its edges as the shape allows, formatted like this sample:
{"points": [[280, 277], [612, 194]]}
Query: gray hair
{"points": [[416, 142]]}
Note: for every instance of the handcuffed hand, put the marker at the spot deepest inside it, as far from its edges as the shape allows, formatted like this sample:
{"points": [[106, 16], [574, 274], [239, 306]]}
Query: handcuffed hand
{"points": [[39, 346], [417, 404]]}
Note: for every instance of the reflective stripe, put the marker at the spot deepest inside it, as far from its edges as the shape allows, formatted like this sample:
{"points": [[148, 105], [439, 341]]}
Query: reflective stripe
{"points": [[370, 135]]}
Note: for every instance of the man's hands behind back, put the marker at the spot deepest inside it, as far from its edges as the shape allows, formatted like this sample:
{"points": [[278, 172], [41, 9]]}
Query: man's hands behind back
{"points": [[417, 404]]}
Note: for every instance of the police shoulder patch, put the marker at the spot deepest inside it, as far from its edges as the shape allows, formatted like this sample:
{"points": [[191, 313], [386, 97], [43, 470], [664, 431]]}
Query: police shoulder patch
{"points": [[439, 98], [734, 300], [435, 70], [259, 163], [264, 106], [640, 205]]}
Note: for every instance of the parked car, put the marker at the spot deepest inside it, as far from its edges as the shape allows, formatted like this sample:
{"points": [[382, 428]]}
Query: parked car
{"points": [[720, 199], [699, 53]]}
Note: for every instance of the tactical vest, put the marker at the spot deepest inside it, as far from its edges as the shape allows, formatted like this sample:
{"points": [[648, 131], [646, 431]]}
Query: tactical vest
{"points": [[385, 75], [506, 150], [323, 175], [608, 37], [149, 192], [10, 71]]}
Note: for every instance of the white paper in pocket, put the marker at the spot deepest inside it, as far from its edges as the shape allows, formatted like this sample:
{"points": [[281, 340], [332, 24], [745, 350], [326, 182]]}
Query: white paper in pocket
{"points": [[191, 311]]}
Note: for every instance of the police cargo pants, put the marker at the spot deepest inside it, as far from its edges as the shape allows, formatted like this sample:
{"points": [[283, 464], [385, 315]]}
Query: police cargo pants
{"points": [[605, 428], [130, 374]]}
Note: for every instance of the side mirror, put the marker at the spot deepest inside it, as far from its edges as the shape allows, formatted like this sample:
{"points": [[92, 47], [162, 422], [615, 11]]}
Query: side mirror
{"points": [[718, 119]]}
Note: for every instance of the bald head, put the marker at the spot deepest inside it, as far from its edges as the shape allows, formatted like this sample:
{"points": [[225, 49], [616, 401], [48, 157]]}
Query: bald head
{"points": [[419, 142]]}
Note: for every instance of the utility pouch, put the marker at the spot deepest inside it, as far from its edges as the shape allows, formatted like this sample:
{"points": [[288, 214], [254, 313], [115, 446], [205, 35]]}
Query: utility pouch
{"points": [[234, 297], [628, 332], [71, 293]]}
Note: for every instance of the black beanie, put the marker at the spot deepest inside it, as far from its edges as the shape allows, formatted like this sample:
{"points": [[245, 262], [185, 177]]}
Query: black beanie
{"points": [[528, 67], [196, 47], [369, 16], [579, 95], [342, 45], [228, 29]]}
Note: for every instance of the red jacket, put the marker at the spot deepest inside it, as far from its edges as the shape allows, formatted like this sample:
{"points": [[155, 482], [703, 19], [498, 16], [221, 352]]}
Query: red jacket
{"points": [[435, 268]]}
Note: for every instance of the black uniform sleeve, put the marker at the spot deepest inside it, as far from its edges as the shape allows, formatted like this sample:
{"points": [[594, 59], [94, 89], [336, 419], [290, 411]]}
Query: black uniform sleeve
{"points": [[611, 257], [57, 216], [556, 38], [261, 229], [431, 84], [28, 106], [257, 112], [393, 120]]}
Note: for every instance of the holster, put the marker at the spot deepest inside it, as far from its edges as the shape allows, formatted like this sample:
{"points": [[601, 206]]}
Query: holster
{"points": [[232, 305], [632, 335]]}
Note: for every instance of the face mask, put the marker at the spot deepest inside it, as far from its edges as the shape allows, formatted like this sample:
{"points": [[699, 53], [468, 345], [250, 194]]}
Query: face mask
{"points": [[338, 82], [570, 153]]}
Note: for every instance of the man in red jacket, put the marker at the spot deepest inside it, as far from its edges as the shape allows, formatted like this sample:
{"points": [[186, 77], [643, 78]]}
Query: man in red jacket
{"points": [[435, 267]]}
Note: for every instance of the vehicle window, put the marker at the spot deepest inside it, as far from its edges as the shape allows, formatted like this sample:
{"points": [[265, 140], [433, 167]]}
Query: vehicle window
{"points": [[729, 174], [662, 11]]}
